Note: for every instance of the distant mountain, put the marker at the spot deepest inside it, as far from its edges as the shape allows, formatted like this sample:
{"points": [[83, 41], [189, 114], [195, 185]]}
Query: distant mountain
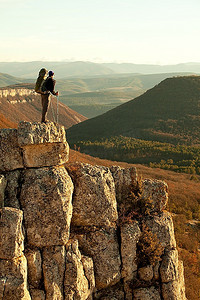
{"points": [[153, 69], [61, 69], [6, 80], [169, 112], [82, 69], [27, 107]]}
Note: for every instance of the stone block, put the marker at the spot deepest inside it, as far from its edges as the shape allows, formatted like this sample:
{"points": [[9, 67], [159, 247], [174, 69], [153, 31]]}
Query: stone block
{"points": [[102, 246], [125, 181], [37, 294], [43, 155], [3, 183], [12, 189], [157, 192], [94, 201], [79, 276], [169, 266], [162, 226], [40, 133], [10, 153], [146, 294], [53, 270], [34, 261], [11, 236], [146, 273], [13, 274], [46, 199], [130, 234]]}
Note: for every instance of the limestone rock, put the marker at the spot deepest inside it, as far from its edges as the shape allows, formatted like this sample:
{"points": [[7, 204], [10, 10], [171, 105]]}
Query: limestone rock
{"points": [[13, 274], [79, 275], [146, 273], [3, 183], [34, 261], [115, 292], [157, 192], [125, 180], [130, 234], [43, 155], [175, 290], [156, 272], [46, 199], [94, 201], [39, 133], [171, 290], [12, 189], [53, 270], [88, 267], [146, 294], [37, 294], [11, 236], [10, 153], [181, 280], [162, 226], [102, 246], [169, 266]]}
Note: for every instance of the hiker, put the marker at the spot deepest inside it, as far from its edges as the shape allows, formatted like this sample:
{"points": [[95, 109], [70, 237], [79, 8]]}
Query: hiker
{"points": [[47, 88]]}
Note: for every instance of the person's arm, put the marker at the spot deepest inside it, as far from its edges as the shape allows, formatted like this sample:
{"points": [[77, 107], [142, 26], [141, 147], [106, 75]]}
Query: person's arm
{"points": [[53, 87]]}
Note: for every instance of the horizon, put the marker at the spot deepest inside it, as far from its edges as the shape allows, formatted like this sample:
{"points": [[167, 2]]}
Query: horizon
{"points": [[108, 62], [145, 32]]}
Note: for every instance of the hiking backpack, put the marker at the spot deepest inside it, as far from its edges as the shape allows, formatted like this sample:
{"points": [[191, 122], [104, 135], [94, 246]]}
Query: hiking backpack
{"points": [[40, 80]]}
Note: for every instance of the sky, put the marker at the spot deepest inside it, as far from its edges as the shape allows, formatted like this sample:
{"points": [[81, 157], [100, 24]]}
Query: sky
{"points": [[135, 31]]}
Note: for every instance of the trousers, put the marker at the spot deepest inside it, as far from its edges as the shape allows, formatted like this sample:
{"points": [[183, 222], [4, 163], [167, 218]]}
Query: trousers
{"points": [[45, 106]]}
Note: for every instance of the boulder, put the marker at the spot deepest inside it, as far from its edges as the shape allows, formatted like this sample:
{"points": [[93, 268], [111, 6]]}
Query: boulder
{"points": [[130, 234], [11, 236], [3, 183], [40, 133], [181, 279], [156, 272], [12, 189], [34, 261], [10, 153], [79, 275], [125, 181], [169, 266], [102, 246], [37, 294], [94, 201], [46, 199], [172, 291], [43, 155], [13, 283], [146, 294], [53, 270], [146, 273], [157, 192], [115, 292], [162, 226]]}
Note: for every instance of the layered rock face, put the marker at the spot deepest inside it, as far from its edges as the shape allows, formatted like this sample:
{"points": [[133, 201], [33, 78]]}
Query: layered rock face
{"points": [[76, 231]]}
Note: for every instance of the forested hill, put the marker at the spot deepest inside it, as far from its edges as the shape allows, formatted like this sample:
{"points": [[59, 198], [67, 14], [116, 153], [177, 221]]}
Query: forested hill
{"points": [[169, 112]]}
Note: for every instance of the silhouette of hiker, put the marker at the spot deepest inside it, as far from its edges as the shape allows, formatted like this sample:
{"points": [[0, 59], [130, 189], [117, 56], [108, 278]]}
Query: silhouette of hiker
{"points": [[47, 88]]}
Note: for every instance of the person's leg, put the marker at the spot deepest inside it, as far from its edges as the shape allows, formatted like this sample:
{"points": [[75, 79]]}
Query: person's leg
{"points": [[45, 105]]}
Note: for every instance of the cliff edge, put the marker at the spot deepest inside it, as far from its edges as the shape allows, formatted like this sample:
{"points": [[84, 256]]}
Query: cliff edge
{"points": [[76, 231]]}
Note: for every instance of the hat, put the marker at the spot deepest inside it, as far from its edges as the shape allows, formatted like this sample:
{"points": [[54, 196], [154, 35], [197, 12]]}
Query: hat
{"points": [[51, 73]]}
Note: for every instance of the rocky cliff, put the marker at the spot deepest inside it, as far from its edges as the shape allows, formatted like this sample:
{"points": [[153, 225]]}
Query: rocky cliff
{"points": [[18, 103], [75, 231]]}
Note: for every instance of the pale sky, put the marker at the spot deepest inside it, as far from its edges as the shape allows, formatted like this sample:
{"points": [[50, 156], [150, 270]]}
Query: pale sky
{"points": [[137, 31]]}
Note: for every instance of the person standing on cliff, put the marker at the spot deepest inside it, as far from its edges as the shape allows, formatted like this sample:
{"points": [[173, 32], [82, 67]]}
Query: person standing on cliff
{"points": [[47, 88]]}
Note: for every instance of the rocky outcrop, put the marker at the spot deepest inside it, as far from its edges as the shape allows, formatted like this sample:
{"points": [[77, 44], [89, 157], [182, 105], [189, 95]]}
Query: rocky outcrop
{"points": [[13, 92], [76, 231]]}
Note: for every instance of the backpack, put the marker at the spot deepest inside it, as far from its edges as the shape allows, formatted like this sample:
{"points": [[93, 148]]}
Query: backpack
{"points": [[40, 80]]}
